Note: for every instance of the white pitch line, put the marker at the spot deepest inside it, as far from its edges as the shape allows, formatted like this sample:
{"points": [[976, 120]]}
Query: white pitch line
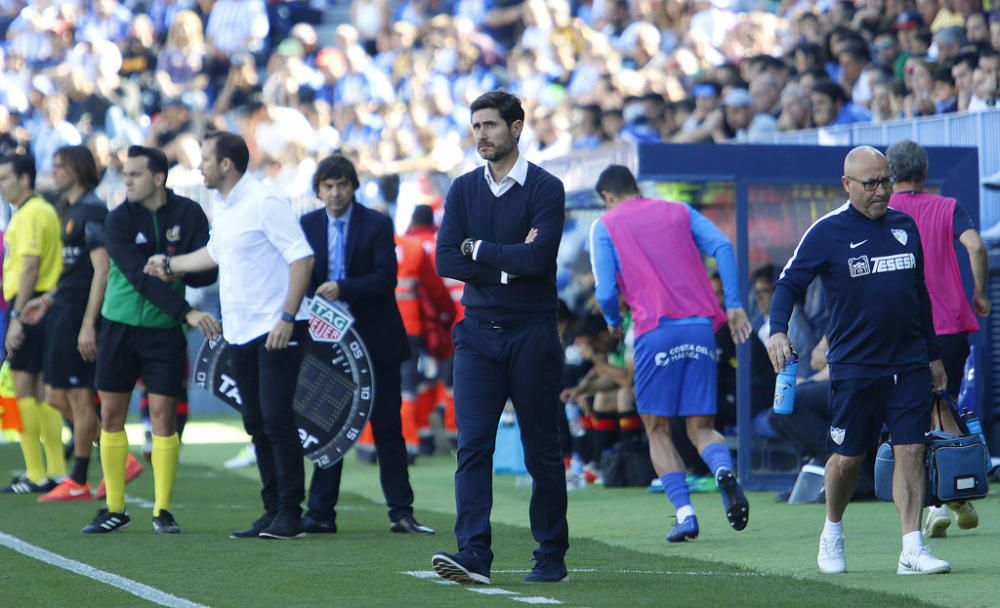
{"points": [[536, 600], [491, 591], [150, 594]]}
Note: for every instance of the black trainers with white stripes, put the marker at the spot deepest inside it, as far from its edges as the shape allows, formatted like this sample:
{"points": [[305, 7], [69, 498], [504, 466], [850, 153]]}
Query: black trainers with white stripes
{"points": [[107, 521], [23, 485]]}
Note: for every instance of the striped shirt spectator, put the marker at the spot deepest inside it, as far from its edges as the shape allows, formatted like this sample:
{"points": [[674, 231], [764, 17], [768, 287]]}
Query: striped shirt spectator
{"points": [[107, 20], [28, 34], [237, 26]]}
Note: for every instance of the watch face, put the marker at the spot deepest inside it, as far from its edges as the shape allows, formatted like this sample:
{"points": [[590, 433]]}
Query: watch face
{"points": [[333, 395]]}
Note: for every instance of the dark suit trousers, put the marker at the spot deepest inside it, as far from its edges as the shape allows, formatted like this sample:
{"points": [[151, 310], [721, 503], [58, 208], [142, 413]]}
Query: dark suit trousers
{"points": [[267, 387], [387, 427], [522, 361]]}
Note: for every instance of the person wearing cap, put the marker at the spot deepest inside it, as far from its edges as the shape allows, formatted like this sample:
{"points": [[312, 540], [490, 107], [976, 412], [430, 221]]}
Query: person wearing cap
{"points": [[706, 117], [949, 42], [741, 119]]}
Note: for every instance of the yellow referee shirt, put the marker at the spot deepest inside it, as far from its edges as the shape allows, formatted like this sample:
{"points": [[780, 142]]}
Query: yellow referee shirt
{"points": [[33, 230]]}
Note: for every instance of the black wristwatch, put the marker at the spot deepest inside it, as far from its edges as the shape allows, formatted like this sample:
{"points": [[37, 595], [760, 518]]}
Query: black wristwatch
{"points": [[287, 317], [468, 247]]}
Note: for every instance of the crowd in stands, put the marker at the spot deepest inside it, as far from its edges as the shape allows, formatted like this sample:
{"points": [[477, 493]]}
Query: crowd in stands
{"points": [[392, 87]]}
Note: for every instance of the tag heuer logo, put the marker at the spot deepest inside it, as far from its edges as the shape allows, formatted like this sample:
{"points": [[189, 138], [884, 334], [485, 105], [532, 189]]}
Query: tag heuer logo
{"points": [[140, 239], [837, 435], [900, 235], [174, 234], [328, 322]]}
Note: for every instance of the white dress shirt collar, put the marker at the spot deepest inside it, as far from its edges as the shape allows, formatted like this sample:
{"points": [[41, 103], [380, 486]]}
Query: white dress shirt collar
{"points": [[518, 174], [239, 189]]}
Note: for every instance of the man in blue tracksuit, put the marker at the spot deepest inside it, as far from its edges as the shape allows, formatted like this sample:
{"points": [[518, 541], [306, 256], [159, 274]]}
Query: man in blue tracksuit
{"points": [[500, 236], [884, 357]]}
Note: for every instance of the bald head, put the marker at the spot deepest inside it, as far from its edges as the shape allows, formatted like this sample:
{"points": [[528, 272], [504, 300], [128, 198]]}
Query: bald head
{"points": [[866, 181], [864, 159]]}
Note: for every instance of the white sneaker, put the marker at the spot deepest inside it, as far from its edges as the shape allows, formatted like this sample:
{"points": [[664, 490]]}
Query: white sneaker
{"points": [[937, 522], [921, 561], [966, 515], [831, 558], [247, 457]]}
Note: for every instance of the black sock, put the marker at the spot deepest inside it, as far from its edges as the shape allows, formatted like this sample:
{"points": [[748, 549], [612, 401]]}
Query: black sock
{"points": [[605, 432], [80, 466], [630, 426]]}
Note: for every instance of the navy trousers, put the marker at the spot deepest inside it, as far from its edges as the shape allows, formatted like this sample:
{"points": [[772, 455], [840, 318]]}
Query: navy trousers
{"points": [[493, 362], [387, 428]]}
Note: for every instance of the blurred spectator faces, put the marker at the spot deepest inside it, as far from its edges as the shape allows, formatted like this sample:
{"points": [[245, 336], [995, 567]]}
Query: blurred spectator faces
{"points": [[976, 29], [739, 109]]}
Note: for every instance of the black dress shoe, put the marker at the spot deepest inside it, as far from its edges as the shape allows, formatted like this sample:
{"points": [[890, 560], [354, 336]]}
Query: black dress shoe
{"points": [[255, 528], [318, 526], [284, 527], [407, 525]]}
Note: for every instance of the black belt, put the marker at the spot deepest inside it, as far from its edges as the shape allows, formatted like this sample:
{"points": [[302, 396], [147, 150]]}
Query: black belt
{"points": [[509, 323]]}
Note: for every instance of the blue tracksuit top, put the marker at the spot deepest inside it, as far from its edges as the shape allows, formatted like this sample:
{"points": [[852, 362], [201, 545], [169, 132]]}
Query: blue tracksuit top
{"points": [[502, 223], [873, 280]]}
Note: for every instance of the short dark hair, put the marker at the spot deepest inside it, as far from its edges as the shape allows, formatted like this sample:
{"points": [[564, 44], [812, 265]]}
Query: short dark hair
{"points": [[768, 272], [618, 180], [423, 215], [335, 167], [907, 161], [156, 160], [503, 102], [81, 162], [830, 89], [22, 164], [231, 146]]}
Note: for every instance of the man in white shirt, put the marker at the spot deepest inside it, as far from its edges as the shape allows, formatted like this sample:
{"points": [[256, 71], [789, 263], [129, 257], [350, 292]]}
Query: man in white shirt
{"points": [[264, 267]]}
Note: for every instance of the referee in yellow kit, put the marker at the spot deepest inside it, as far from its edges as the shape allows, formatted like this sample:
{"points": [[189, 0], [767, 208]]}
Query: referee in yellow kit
{"points": [[32, 264]]}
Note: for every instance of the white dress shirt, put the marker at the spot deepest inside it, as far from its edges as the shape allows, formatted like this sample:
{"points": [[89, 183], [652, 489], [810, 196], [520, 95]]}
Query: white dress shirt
{"points": [[518, 175], [255, 237]]}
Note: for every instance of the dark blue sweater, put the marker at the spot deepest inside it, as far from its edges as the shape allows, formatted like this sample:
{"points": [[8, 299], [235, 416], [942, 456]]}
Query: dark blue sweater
{"points": [[873, 281], [502, 223]]}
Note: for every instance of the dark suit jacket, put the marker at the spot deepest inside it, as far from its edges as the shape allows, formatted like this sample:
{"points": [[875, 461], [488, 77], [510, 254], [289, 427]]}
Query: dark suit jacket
{"points": [[369, 284]]}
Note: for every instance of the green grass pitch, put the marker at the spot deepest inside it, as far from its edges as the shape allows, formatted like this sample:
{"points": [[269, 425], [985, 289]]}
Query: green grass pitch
{"points": [[618, 556]]}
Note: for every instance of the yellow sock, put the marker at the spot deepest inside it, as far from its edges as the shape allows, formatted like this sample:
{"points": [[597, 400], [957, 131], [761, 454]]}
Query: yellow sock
{"points": [[166, 452], [31, 445], [51, 431], [114, 452]]}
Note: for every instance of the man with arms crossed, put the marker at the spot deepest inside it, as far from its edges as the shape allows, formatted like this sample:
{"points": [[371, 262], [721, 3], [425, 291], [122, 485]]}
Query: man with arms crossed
{"points": [[264, 265], [500, 235], [884, 357], [675, 315], [143, 335], [31, 266]]}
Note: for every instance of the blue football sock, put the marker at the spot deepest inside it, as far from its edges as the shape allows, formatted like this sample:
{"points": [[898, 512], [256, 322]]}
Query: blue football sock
{"points": [[717, 457], [676, 489]]}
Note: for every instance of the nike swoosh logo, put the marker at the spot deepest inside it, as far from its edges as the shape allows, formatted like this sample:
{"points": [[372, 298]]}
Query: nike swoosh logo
{"points": [[853, 245], [75, 492]]}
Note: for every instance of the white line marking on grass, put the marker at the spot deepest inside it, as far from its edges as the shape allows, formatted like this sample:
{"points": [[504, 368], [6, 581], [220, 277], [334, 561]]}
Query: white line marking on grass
{"points": [[422, 573], [150, 594], [658, 572], [430, 575], [136, 500]]}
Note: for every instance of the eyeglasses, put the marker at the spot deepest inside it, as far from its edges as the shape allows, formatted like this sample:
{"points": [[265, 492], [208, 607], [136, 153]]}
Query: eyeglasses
{"points": [[873, 184]]}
